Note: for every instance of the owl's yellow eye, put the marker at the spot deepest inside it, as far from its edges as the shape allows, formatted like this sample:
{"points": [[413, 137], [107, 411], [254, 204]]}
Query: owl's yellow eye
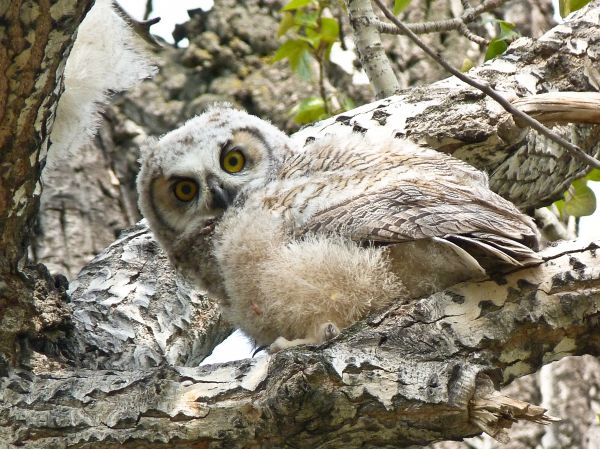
{"points": [[233, 161], [185, 190]]}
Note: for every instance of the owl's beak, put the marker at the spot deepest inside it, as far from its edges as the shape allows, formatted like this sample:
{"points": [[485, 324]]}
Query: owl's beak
{"points": [[220, 198]]}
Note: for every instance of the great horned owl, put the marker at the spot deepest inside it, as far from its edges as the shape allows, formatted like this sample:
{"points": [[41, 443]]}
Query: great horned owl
{"points": [[298, 242]]}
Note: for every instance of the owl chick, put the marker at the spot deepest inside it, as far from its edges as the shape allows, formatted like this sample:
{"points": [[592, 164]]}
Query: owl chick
{"points": [[297, 243]]}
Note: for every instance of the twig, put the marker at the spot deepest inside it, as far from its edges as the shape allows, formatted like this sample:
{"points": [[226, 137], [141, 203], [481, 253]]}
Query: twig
{"points": [[141, 28], [466, 32], [468, 16], [485, 88]]}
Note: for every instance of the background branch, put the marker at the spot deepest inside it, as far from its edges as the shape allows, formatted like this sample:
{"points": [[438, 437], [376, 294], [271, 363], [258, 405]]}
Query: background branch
{"points": [[487, 89], [370, 49], [469, 15]]}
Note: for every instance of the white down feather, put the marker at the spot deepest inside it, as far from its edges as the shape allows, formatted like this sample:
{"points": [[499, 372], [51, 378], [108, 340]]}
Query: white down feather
{"points": [[107, 57]]}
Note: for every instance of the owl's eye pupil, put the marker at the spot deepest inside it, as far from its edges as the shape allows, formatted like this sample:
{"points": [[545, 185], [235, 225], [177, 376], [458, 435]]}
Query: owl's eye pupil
{"points": [[185, 190], [233, 161]]}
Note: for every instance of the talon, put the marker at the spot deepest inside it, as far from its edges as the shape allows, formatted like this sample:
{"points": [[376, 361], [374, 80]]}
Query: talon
{"points": [[329, 331]]}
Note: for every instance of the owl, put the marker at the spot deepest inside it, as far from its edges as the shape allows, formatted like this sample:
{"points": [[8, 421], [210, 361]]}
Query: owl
{"points": [[299, 242]]}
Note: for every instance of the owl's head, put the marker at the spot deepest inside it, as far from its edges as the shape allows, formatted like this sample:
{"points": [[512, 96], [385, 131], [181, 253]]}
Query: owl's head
{"points": [[190, 176]]}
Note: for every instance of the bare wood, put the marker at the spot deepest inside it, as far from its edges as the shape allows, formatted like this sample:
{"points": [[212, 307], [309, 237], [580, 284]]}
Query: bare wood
{"points": [[414, 374], [562, 107]]}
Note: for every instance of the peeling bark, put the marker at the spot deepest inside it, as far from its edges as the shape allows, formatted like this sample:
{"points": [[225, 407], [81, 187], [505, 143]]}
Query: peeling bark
{"points": [[414, 374]]}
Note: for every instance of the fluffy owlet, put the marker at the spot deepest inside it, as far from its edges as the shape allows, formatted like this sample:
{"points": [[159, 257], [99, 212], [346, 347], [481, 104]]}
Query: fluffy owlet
{"points": [[299, 242]]}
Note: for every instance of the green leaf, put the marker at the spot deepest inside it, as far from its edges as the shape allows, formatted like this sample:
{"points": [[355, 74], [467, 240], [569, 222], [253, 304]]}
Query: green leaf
{"points": [[593, 175], [507, 31], [296, 51], [288, 48], [301, 65], [307, 19], [287, 22], [467, 65], [313, 38], [296, 4], [566, 7], [496, 47], [580, 200], [330, 30], [400, 5], [309, 110], [560, 206]]}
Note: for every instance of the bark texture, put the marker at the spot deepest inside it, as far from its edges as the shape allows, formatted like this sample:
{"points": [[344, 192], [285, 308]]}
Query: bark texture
{"points": [[452, 117], [35, 40], [370, 48], [411, 375]]}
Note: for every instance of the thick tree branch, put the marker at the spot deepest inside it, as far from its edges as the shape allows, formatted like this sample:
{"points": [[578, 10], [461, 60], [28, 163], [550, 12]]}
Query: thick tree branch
{"points": [[484, 87], [414, 374], [129, 311], [411, 375], [524, 166]]}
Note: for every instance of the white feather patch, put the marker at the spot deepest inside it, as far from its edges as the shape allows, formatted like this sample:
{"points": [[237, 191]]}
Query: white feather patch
{"points": [[105, 59]]}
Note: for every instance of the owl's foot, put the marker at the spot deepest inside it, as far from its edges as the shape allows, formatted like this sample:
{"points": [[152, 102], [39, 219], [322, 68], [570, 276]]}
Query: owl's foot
{"points": [[328, 331], [325, 332]]}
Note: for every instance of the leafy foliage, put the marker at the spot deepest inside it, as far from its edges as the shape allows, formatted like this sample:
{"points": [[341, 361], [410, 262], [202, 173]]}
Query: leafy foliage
{"points": [[566, 7], [400, 5], [311, 32], [309, 110], [499, 44], [579, 199]]}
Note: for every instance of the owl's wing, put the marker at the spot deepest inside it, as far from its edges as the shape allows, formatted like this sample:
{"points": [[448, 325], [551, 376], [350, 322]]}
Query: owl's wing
{"points": [[473, 218]]}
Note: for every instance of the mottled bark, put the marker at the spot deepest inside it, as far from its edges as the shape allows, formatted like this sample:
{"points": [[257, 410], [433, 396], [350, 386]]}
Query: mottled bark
{"points": [[35, 39], [413, 374], [131, 311], [370, 48], [452, 117]]}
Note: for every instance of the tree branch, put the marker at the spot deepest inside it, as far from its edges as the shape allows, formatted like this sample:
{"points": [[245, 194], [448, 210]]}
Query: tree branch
{"points": [[525, 167], [36, 40], [414, 374], [468, 16], [575, 151], [370, 49]]}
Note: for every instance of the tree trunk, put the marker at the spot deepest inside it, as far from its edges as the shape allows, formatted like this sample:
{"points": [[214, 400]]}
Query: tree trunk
{"points": [[36, 38]]}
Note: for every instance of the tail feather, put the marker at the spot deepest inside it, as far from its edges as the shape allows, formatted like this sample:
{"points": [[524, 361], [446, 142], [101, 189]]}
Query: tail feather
{"points": [[495, 252]]}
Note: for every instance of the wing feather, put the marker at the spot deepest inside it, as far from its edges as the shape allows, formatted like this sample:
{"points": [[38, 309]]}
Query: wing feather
{"points": [[476, 219]]}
